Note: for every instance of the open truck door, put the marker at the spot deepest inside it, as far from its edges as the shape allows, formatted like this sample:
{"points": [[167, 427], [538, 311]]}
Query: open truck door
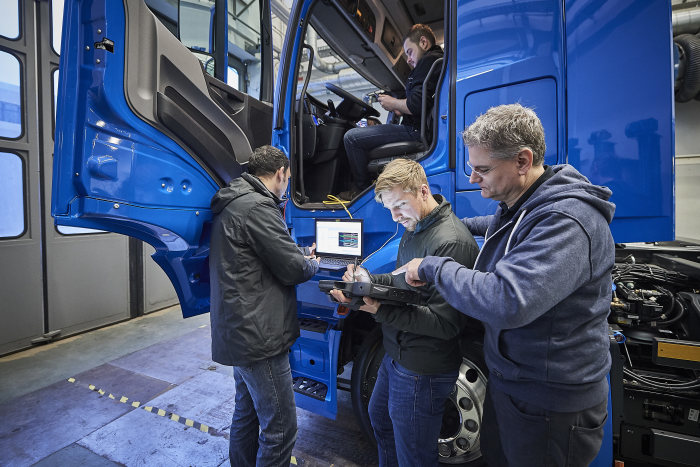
{"points": [[147, 130]]}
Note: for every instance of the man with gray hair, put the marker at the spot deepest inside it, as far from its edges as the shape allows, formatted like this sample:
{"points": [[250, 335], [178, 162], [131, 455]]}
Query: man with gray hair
{"points": [[542, 287]]}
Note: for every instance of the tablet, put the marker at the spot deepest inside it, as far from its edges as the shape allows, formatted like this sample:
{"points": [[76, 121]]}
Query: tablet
{"points": [[385, 294]]}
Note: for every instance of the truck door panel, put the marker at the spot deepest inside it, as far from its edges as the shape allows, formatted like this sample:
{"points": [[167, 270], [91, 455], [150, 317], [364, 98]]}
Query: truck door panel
{"points": [[144, 139], [524, 65], [539, 94]]}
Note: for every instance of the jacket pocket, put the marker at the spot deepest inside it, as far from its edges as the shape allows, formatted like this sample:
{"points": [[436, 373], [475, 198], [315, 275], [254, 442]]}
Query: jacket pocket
{"points": [[505, 368]]}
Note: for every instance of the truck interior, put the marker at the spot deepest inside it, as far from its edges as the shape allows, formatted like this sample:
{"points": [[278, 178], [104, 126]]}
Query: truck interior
{"points": [[372, 51]]}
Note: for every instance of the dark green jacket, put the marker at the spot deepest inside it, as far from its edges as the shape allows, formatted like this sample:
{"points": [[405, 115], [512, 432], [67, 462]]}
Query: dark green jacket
{"points": [[253, 265], [425, 339]]}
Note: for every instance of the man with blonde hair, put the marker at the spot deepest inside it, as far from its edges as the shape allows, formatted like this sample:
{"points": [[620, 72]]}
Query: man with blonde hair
{"points": [[421, 341]]}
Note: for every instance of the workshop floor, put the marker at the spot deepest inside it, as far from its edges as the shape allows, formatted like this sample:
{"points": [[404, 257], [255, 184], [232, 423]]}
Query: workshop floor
{"points": [[142, 392]]}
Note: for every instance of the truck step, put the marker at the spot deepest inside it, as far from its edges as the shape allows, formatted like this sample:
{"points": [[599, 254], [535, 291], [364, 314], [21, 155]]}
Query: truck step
{"points": [[310, 388], [314, 325]]}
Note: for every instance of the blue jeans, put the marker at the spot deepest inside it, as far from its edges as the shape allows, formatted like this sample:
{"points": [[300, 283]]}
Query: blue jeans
{"points": [[406, 414], [264, 424], [359, 141], [516, 433]]}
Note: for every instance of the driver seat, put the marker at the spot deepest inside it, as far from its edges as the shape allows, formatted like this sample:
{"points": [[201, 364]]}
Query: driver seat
{"points": [[385, 153]]}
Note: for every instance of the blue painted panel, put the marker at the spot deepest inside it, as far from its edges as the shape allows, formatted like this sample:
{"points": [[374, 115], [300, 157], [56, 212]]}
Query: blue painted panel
{"points": [[472, 204], [322, 348], [539, 95], [620, 109], [509, 52]]}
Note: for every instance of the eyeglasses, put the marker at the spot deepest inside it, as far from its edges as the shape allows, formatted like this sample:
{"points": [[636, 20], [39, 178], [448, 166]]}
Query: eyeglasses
{"points": [[480, 173]]}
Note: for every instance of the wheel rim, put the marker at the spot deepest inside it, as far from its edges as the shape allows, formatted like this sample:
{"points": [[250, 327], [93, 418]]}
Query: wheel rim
{"points": [[461, 423]]}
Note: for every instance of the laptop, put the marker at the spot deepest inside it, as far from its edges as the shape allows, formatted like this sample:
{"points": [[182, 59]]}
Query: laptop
{"points": [[339, 242]]}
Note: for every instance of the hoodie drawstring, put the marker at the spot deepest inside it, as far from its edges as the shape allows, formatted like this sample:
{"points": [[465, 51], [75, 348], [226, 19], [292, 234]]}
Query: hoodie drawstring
{"points": [[520, 217]]}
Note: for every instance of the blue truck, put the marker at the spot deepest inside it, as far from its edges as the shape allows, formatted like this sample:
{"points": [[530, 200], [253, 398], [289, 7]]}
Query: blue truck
{"points": [[148, 130]]}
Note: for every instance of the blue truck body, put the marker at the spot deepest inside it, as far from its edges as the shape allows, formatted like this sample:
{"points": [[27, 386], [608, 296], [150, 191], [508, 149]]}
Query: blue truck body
{"points": [[606, 102]]}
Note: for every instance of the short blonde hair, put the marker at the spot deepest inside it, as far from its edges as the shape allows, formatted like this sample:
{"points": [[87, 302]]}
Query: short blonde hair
{"points": [[404, 173]]}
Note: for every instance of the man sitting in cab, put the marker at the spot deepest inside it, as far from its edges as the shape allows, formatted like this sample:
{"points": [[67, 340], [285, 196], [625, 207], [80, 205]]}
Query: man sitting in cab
{"points": [[421, 52]]}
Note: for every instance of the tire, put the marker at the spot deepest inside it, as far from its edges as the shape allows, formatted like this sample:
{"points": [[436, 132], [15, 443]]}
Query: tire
{"points": [[690, 81], [364, 376], [459, 441]]}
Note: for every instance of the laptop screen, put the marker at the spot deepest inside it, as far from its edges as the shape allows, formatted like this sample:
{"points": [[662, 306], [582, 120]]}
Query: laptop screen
{"points": [[339, 237]]}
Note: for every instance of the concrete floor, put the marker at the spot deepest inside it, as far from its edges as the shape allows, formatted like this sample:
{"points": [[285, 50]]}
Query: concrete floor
{"points": [[141, 392]]}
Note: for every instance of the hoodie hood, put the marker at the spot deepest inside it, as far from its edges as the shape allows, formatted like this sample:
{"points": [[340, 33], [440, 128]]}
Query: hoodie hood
{"points": [[567, 184], [241, 186]]}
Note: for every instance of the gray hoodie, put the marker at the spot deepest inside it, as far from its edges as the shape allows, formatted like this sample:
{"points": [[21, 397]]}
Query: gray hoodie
{"points": [[542, 287]]}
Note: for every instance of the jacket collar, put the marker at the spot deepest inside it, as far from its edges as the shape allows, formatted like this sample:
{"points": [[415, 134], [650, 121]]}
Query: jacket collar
{"points": [[260, 187], [443, 209]]}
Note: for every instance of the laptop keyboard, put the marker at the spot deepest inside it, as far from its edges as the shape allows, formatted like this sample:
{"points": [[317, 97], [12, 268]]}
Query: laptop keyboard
{"points": [[336, 261]]}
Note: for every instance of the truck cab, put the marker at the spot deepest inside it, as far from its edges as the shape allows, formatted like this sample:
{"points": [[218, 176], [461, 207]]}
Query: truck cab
{"points": [[148, 130]]}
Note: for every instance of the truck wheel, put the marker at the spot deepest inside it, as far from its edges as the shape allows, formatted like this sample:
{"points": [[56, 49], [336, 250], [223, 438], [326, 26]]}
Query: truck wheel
{"points": [[461, 424], [459, 441], [364, 375]]}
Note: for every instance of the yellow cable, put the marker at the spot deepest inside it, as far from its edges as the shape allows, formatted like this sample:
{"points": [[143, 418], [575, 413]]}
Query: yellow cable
{"points": [[335, 200]]}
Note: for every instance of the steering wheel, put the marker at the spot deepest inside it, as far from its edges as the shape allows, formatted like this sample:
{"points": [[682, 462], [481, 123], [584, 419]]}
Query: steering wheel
{"points": [[367, 110]]}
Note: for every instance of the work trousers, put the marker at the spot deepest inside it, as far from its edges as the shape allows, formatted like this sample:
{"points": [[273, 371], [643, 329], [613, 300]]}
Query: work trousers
{"points": [[406, 414], [264, 424], [515, 433]]}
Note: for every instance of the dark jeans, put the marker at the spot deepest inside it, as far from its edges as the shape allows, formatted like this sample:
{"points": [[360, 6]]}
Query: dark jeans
{"points": [[359, 141], [406, 414], [515, 433], [264, 425]]}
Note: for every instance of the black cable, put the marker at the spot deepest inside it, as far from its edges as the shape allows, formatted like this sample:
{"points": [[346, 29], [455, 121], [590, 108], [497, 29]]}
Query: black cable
{"points": [[679, 315], [649, 273]]}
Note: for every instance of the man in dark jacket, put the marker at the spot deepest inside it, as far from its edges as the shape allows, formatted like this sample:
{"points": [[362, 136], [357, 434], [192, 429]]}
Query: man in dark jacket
{"points": [[422, 342], [542, 287], [421, 52], [254, 265]]}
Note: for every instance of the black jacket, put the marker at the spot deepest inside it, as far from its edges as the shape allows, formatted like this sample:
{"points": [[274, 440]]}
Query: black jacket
{"points": [[425, 339], [253, 265], [414, 86]]}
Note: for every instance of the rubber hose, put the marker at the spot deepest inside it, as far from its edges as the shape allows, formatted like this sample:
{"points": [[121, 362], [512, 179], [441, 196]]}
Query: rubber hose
{"points": [[690, 85], [680, 313]]}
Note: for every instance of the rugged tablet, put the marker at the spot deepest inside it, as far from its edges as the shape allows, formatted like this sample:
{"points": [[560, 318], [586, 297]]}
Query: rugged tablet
{"points": [[383, 293]]}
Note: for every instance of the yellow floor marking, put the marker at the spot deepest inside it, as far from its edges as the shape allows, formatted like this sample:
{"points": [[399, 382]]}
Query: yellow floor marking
{"points": [[174, 417]]}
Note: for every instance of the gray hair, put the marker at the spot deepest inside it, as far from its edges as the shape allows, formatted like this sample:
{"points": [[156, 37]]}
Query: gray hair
{"points": [[506, 130]]}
